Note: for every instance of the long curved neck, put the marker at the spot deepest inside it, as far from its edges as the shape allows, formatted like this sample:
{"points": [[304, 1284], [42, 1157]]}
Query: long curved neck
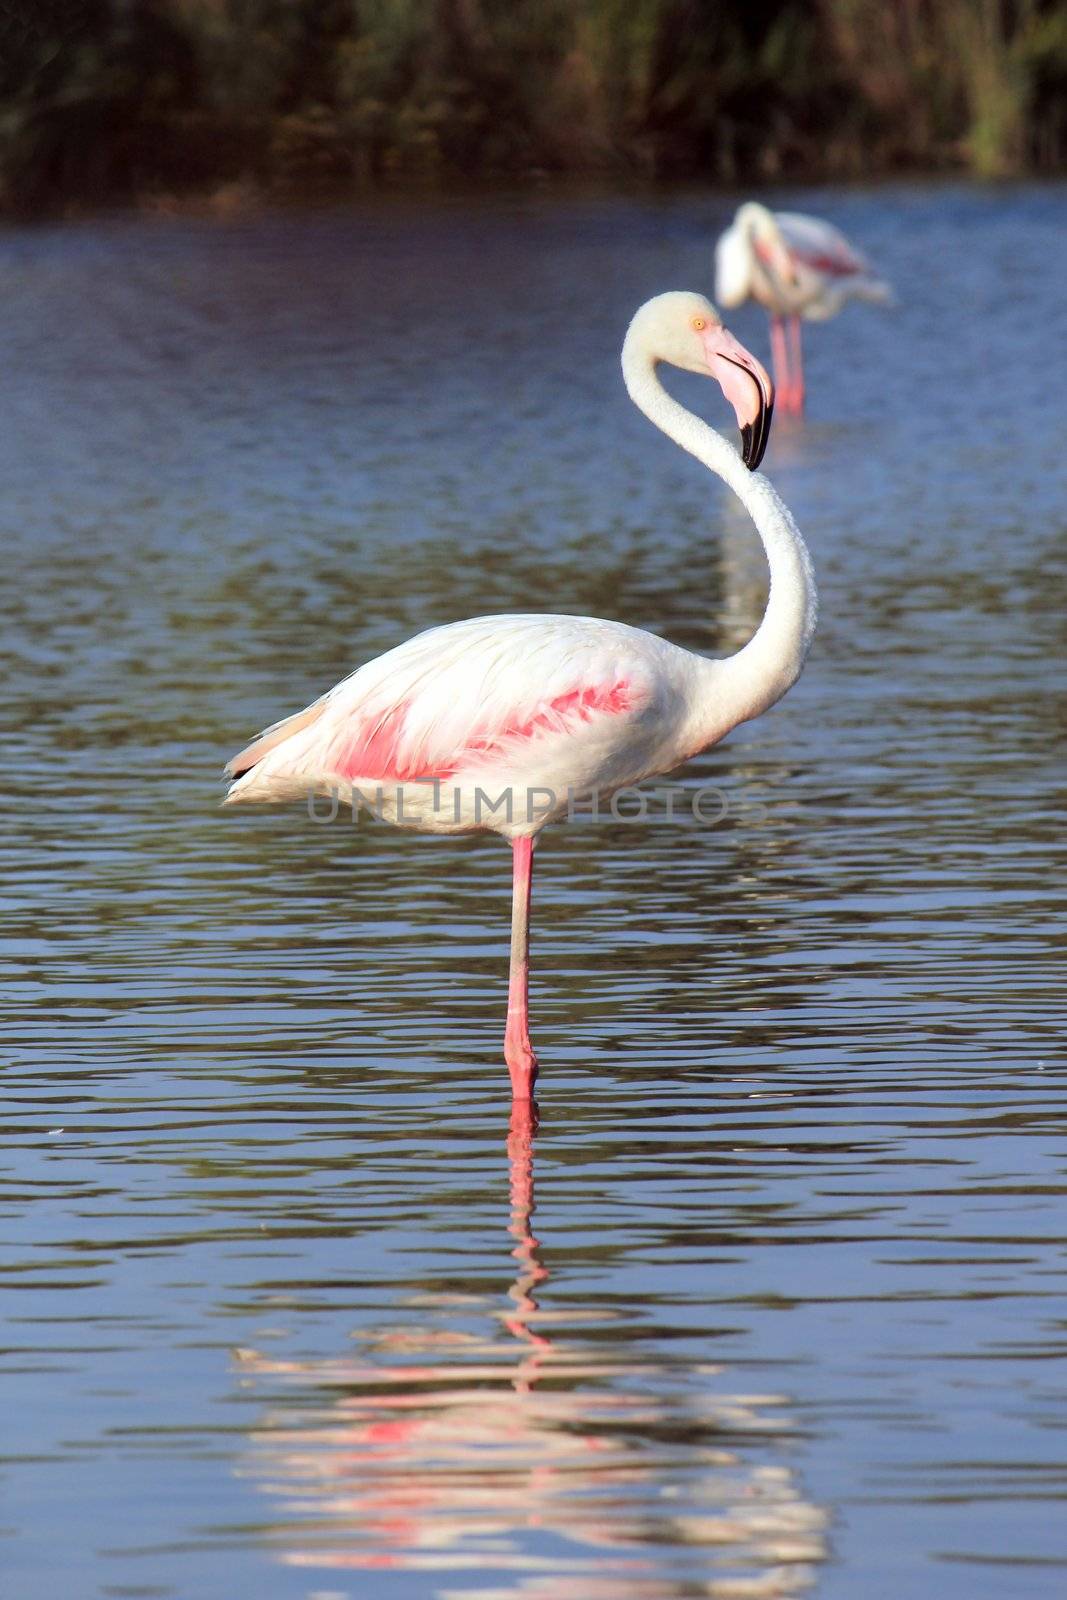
{"points": [[752, 680]]}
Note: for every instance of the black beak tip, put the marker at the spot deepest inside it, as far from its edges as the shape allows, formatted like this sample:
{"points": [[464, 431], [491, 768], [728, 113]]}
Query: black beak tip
{"points": [[754, 436]]}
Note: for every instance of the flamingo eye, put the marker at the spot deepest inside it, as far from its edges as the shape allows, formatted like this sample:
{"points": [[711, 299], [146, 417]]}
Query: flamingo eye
{"points": [[699, 324]]}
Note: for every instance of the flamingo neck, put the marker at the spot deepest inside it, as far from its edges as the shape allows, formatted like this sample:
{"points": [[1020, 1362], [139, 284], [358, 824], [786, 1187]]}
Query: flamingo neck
{"points": [[756, 677]]}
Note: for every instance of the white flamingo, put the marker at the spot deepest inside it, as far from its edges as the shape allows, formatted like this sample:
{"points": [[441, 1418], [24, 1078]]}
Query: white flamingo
{"points": [[492, 723], [794, 266]]}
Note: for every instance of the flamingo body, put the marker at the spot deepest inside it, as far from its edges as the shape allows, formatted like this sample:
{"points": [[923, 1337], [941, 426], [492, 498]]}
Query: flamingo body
{"points": [[493, 724], [532, 707], [794, 266]]}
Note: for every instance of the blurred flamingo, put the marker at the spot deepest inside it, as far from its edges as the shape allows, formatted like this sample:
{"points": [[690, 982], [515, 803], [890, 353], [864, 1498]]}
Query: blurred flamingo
{"points": [[794, 266], [494, 723]]}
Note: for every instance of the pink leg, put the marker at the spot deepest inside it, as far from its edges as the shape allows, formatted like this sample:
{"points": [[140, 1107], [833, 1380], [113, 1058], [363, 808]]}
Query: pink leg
{"points": [[532, 1271], [796, 363], [780, 362], [518, 1051]]}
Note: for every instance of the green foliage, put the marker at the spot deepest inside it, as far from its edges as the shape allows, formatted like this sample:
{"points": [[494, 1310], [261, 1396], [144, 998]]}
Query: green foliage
{"points": [[103, 99], [977, 82]]}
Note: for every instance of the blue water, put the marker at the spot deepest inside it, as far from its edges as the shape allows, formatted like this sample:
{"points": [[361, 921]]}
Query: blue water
{"points": [[770, 1302]]}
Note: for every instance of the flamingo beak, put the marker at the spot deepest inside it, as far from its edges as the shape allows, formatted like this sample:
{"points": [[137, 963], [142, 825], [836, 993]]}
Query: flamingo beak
{"points": [[747, 385]]}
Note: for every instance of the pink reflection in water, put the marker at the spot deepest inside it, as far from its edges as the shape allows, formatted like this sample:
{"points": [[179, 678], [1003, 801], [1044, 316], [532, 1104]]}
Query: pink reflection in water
{"points": [[488, 1453]]}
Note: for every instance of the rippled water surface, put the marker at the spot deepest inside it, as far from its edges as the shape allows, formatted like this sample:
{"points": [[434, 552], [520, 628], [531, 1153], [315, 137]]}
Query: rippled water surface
{"points": [[773, 1300]]}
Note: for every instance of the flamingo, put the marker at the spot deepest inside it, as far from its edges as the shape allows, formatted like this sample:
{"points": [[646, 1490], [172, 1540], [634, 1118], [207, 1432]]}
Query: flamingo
{"points": [[492, 724], [795, 266]]}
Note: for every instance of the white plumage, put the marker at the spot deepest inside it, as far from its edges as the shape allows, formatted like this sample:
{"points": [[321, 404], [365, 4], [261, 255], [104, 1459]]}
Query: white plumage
{"points": [[490, 703]]}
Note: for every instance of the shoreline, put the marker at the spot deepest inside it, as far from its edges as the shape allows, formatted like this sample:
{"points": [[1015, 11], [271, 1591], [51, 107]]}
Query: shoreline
{"points": [[243, 199]]}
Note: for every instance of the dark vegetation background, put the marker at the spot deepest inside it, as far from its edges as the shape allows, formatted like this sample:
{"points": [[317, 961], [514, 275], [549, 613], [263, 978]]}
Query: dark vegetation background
{"points": [[105, 100]]}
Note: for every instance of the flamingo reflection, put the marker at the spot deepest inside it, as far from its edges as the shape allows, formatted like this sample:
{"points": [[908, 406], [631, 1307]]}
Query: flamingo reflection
{"points": [[528, 1454]]}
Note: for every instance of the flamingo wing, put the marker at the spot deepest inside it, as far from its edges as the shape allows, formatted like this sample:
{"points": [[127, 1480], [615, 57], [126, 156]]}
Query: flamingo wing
{"points": [[819, 246], [275, 735], [459, 697]]}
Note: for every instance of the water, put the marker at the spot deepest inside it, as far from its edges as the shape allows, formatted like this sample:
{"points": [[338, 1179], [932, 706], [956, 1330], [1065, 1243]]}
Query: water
{"points": [[771, 1302]]}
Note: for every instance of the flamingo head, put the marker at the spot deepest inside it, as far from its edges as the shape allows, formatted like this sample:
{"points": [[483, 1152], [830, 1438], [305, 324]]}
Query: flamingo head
{"points": [[686, 331]]}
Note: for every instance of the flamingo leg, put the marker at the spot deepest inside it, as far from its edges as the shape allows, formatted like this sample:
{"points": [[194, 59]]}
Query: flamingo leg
{"points": [[780, 362], [796, 364], [518, 1051]]}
